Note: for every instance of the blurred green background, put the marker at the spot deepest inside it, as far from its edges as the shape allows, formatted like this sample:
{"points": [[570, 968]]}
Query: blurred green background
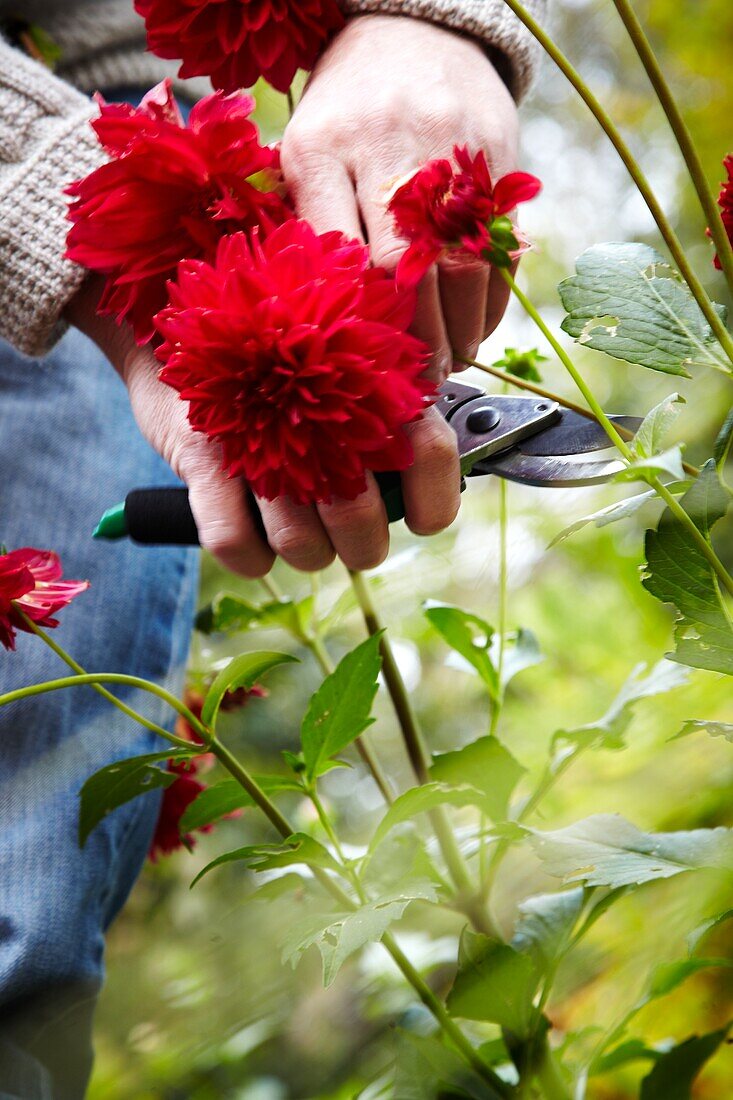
{"points": [[197, 1004]]}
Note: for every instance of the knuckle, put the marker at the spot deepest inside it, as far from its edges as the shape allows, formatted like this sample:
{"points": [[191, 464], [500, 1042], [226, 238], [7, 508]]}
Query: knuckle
{"points": [[297, 544]]}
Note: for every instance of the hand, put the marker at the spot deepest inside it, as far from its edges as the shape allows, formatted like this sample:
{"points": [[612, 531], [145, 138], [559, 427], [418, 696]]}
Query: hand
{"points": [[308, 538], [389, 94]]}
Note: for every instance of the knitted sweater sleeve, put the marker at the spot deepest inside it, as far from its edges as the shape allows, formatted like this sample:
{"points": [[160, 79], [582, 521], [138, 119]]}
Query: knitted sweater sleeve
{"points": [[45, 143], [491, 21]]}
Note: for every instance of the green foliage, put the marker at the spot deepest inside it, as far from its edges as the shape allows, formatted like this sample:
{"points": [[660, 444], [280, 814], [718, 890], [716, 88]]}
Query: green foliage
{"points": [[420, 800], [545, 926], [606, 850], [494, 983], [678, 572], [621, 509], [298, 849], [425, 1069], [675, 1071], [492, 769], [627, 301], [228, 795], [338, 936], [340, 710], [715, 729], [522, 364], [122, 781], [241, 672], [609, 731], [229, 613], [650, 437], [468, 635]]}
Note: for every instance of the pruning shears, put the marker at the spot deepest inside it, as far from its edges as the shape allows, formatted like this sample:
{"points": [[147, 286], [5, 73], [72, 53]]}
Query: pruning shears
{"points": [[531, 440]]}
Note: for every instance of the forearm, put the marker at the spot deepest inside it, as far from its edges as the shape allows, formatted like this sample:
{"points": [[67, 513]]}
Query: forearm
{"points": [[490, 21], [45, 143]]}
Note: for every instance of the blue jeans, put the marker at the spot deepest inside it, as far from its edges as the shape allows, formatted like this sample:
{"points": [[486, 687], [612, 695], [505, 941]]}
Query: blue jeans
{"points": [[69, 448]]}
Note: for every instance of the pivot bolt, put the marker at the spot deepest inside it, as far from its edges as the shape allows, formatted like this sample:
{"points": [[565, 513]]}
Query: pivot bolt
{"points": [[483, 420]]}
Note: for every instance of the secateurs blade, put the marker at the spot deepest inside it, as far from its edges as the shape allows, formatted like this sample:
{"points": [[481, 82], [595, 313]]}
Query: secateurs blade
{"points": [[531, 440]]}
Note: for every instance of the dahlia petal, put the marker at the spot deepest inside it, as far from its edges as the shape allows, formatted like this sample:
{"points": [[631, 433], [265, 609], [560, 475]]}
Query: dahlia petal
{"points": [[514, 188]]}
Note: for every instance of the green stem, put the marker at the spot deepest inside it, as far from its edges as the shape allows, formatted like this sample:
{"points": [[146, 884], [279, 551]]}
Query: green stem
{"points": [[420, 760], [549, 1077], [541, 391], [496, 712], [567, 362], [426, 995], [682, 134], [325, 821], [671, 239], [69, 660], [113, 678]]}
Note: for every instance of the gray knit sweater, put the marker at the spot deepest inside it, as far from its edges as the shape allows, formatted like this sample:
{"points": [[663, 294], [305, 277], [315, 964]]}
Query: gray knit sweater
{"points": [[46, 140]]}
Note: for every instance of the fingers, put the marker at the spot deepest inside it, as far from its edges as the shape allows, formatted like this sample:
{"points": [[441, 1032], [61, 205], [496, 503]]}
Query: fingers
{"points": [[497, 299], [431, 487], [226, 525], [296, 534], [358, 528], [322, 190], [463, 294]]}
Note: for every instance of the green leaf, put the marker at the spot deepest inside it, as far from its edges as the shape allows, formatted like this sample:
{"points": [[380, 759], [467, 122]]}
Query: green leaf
{"points": [[340, 710], [607, 850], [297, 849], [243, 671], [609, 731], [402, 859], [678, 572], [612, 513], [715, 729], [521, 651], [633, 1050], [666, 977], [724, 441], [122, 781], [626, 301], [522, 364], [419, 800], [495, 983], [427, 1070], [228, 795], [229, 613], [491, 768], [545, 926], [650, 436], [469, 636], [695, 938], [667, 463], [340, 935], [675, 1071]]}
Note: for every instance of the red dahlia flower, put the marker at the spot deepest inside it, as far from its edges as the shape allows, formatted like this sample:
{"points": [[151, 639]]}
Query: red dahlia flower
{"points": [[441, 209], [30, 581], [725, 202], [237, 41], [293, 353], [169, 192], [176, 800]]}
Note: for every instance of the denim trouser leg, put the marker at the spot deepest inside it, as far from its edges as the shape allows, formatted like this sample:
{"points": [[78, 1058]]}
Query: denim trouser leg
{"points": [[69, 448]]}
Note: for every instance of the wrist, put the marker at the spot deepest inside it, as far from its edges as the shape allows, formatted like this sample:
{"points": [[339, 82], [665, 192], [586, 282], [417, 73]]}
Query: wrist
{"points": [[117, 342]]}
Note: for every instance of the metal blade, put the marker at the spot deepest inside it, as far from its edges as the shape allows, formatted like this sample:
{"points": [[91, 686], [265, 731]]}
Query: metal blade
{"points": [[552, 457]]}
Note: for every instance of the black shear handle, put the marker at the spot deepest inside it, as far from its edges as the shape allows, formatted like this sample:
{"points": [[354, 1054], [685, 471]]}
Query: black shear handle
{"points": [[163, 517]]}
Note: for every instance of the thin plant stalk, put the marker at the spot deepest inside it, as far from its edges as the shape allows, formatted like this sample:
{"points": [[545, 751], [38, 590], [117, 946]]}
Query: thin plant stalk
{"points": [[665, 228], [682, 133], [542, 391], [672, 503], [420, 760], [69, 660], [114, 678]]}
